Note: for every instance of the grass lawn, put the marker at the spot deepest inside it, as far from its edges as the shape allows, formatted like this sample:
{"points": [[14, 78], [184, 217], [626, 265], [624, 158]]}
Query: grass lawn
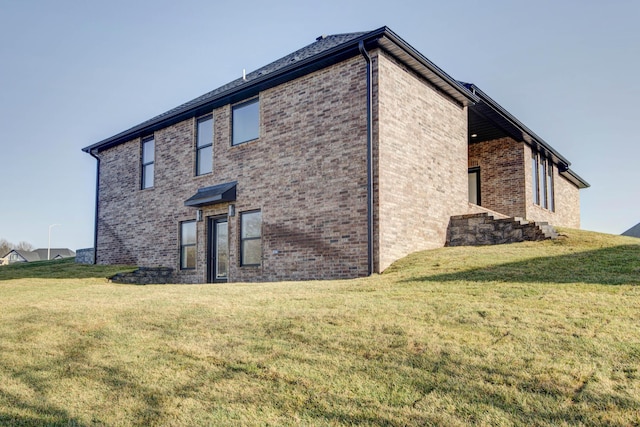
{"points": [[542, 334]]}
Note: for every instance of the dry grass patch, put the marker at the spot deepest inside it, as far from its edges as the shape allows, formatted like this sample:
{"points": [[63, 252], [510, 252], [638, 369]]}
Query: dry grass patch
{"points": [[527, 334]]}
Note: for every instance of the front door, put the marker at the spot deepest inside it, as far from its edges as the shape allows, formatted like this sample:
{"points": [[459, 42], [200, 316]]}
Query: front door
{"points": [[218, 259]]}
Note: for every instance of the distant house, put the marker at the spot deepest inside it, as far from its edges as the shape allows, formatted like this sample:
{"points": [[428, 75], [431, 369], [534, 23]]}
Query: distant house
{"points": [[331, 162], [17, 255], [633, 231]]}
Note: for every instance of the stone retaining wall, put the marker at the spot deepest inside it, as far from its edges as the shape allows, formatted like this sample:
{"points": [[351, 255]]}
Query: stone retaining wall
{"points": [[146, 276], [85, 256], [484, 229]]}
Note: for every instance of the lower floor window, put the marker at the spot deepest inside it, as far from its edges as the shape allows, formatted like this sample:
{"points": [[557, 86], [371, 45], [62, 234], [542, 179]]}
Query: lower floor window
{"points": [[474, 186], [187, 245], [251, 238], [542, 181]]}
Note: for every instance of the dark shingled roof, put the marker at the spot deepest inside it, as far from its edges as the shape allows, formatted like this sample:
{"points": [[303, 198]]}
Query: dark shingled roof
{"points": [[317, 55], [321, 45], [55, 252], [41, 254], [633, 231], [27, 255]]}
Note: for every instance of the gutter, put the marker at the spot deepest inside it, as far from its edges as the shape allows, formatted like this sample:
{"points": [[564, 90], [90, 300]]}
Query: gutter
{"points": [[370, 257], [575, 178], [95, 221]]}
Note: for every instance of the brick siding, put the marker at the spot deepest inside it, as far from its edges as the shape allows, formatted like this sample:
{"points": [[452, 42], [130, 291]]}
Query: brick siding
{"points": [[506, 187], [567, 199], [502, 180], [422, 163], [306, 173]]}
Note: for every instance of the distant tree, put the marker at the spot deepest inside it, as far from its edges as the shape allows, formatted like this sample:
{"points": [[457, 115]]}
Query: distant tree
{"points": [[24, 246], [5, 247]]}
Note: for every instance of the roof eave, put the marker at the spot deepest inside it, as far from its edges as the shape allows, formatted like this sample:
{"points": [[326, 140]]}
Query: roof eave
{"points": [[421, 64], [575, 179], [533, 139], [249, 86]]}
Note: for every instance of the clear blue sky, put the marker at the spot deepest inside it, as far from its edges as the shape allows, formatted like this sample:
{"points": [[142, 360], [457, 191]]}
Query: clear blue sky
{"points": [[75, 72]]}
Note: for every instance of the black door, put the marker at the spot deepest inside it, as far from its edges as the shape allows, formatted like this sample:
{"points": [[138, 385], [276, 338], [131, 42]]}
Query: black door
{"points": [[218, 259]]}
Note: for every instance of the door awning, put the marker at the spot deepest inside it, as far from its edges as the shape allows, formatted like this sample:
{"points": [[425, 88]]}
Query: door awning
{"points": [[211, 195]]}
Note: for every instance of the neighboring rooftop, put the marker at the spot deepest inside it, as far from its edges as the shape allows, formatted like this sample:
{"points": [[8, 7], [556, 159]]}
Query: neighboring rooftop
{"points": [[42, 253], [633, 231]]}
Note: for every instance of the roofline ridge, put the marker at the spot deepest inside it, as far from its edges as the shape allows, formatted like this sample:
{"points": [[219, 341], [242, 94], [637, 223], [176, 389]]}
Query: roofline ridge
{"points": [[190, 106], [178, 110]]}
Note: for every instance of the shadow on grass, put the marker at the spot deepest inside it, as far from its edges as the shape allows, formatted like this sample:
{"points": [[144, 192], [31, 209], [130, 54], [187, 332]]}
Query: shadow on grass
{"points": [[59, 269], [619, 265], [539, 401], [61, 420], [73, 367]]}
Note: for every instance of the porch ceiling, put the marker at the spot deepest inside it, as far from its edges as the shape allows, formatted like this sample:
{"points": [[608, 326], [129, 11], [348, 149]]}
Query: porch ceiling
{"points": [[486, 129]]}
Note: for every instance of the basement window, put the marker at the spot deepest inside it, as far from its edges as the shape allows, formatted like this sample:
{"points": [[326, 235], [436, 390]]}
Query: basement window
{"points": [[187, 245], [245, 122], [251, 238]]}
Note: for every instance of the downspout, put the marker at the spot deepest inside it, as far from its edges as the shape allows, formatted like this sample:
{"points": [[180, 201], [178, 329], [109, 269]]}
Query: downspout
{"points": [[370, 254], [95, 224]]}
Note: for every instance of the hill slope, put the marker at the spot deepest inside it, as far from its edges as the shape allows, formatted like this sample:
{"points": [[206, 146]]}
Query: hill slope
{"points": [[539, 333]]}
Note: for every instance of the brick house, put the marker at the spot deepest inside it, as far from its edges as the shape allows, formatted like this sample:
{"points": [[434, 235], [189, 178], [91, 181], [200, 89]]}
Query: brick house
{"points": [[332, 162]]}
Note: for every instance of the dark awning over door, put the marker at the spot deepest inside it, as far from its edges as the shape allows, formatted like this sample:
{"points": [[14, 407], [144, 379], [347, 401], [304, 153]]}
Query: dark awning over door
{"points": [[211, 195]]}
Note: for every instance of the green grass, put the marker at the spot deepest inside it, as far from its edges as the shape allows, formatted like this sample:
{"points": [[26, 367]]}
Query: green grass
{"points": [[544, 334], [59, 269]]}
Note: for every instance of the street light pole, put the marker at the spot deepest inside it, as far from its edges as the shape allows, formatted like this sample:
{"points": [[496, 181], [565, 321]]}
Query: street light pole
{"points": [[49, 249]]}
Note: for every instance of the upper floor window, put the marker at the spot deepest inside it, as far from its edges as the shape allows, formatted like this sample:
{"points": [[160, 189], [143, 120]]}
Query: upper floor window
{"points": [[245, 122], [148, 160], [251, 238], [187, 245], [204, 145]]}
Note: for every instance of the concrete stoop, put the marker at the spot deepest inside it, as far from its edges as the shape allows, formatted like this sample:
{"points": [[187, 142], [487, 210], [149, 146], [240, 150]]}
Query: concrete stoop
{"points": [[485, 229]]}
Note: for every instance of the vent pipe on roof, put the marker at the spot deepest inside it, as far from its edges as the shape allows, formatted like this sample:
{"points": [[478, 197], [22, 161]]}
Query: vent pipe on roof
{"points": [[244, 74], [322, 37]]}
